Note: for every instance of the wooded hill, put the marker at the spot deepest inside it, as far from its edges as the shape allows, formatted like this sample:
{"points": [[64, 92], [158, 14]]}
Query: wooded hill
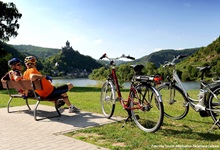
{"points": [[40, 52], [206, 56], [70, 62], [160, 57], [186, 68]]}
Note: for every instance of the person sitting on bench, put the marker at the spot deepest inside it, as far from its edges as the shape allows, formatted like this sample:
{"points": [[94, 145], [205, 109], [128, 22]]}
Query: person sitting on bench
{"points": [[49, 91], [15, 74]]}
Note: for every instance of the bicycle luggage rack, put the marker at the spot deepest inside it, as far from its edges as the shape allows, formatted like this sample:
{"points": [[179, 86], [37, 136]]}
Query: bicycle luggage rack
{"points": [[144, 78]]}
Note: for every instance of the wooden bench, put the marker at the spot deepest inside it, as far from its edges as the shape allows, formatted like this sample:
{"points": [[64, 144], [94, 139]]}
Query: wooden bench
{"points": [[28, 85]]}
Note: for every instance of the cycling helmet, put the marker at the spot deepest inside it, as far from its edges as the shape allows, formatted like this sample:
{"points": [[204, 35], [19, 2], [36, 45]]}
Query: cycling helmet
{"points": [[30, 60], [13, 61]]}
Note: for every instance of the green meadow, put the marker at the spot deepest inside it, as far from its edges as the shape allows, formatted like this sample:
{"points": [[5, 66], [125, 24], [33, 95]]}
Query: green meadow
{"points": [[190, 132]]}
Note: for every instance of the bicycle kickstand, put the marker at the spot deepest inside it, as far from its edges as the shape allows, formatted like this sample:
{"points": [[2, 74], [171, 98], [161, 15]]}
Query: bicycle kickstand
{"points": [[129, 117], [213, 126]]}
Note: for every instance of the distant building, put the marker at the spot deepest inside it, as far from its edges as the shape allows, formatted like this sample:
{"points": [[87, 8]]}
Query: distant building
{"points": [[67, 47], [57, 64]]}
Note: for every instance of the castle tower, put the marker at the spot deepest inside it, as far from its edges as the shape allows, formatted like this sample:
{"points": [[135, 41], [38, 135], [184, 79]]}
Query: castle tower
{"points": [[67, 44], [67, 47]]}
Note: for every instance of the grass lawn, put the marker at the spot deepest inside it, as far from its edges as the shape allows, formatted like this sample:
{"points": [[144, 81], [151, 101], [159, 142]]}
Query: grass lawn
{"points": [[188, 133]]}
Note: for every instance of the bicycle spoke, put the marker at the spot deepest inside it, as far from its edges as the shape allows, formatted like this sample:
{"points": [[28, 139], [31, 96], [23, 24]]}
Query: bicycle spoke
{"points": [[149, 116], [107, 99]]}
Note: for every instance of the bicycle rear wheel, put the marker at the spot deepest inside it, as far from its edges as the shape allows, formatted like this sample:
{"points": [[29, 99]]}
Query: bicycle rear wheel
{"points": [[107, 99], [214, 106], [174, 101], [149, 112]]}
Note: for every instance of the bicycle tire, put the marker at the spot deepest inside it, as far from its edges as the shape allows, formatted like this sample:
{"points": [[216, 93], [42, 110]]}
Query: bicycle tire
{"points": [[108, 99], [149, 117], [214, 105], [175, 103]]}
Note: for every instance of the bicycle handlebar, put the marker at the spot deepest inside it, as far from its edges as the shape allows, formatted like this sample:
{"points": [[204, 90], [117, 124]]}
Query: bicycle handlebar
{"points": [[172, 63], [123, 56], [103, 56]]}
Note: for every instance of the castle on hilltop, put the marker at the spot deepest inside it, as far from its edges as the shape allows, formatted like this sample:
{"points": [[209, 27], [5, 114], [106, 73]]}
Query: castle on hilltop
{"points": [[67, 47]]}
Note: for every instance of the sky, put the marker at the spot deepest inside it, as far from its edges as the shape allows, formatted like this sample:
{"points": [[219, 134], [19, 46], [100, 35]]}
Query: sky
{"points": [[115, 27]]}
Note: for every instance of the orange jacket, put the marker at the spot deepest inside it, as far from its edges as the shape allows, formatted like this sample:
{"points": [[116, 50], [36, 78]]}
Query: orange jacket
{"points": [[47, 86]]}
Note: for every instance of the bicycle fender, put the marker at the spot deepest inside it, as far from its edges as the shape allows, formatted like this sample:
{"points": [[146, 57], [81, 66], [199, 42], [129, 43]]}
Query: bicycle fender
{"points": [[157, 93]]}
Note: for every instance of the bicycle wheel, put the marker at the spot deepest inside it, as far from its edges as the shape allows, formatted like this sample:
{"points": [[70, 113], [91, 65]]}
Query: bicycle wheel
{"points": [[214, 105], [174, 101], [147, 108], [108, 99]]}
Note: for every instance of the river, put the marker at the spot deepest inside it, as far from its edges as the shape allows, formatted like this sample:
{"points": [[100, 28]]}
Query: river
{"points": [[83, 82]]}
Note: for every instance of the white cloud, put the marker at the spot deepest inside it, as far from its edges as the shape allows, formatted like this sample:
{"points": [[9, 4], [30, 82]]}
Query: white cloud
{"points": [[99, 41]]}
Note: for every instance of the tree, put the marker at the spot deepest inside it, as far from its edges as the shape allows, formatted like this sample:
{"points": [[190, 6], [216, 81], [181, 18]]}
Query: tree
{"points": [[9, 16]]}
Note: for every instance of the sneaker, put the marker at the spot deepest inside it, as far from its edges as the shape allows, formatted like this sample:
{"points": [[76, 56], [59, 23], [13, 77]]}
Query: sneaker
{"points": [[60, 103], [74, 109]]}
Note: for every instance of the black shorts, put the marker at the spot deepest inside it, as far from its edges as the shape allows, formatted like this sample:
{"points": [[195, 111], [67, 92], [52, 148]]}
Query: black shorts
{"points": [[57, 91]]}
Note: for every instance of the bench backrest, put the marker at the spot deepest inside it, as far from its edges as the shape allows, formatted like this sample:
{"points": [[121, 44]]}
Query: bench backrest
{"points": [[23, 84]]}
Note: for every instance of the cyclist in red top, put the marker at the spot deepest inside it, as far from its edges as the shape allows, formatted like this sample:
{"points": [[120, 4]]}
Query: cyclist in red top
{"points": [[15, 72], [48, 89]]}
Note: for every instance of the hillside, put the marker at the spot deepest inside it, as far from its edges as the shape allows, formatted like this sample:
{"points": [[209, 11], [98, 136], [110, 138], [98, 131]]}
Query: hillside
{"points": [[206, 56], [186, 68], [70, 63], [160, 57], [37, 51]]}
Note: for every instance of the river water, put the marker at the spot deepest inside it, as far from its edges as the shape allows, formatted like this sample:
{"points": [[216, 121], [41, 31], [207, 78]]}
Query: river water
{"points": [[83, 82]]}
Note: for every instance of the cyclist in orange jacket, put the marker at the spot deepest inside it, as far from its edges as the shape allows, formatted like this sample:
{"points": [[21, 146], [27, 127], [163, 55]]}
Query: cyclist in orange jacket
{"points": [[48, 89]]}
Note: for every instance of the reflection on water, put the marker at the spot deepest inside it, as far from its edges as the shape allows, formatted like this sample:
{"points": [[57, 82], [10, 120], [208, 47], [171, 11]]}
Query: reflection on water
{"points": [[83, 82]]}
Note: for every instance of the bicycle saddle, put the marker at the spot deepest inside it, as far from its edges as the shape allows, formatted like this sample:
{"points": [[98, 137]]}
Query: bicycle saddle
{"points": [[137, 68], [202, 69]]}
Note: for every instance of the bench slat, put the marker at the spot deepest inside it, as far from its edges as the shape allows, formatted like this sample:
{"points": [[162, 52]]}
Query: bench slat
{"points": [[22, 84], [28, 85]]}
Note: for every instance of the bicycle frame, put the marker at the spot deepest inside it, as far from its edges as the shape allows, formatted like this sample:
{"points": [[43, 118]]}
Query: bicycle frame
{"points": [[191, 101], [123, 102], [115, 79]]}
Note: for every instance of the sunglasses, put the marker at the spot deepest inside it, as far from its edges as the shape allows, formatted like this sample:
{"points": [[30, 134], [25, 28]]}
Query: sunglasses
{"points": [[18, 65], [30, 58], [29, 64]]}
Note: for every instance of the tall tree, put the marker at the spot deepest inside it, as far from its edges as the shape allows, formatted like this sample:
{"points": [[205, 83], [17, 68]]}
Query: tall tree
{"points": [[9, 16]]}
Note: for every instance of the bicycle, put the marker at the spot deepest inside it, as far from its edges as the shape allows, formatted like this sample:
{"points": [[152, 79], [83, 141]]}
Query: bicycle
{"points": [[144, 103], [175, 96]]}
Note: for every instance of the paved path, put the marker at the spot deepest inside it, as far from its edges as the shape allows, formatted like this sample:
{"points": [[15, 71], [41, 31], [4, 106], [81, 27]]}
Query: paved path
{"points": [[19, 130]]}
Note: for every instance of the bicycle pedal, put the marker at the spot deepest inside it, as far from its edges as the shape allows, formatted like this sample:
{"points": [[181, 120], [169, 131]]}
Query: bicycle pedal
{"points": [[204, 113]]}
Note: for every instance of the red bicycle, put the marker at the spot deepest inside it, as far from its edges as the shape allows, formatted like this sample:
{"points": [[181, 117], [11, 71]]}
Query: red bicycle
{"points": [[144, 103]]}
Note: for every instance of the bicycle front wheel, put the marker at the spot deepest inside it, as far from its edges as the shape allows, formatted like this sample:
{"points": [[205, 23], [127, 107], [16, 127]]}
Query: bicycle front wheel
{"points": [[107, 99], [174, 101], [214, 105], [146, 108]]}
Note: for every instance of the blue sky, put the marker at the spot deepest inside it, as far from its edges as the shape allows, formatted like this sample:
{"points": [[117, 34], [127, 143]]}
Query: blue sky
{"points": [[116, 27]]}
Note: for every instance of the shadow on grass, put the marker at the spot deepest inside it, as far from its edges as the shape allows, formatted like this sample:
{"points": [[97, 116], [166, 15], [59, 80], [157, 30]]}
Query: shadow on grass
{"points": [[186, 132]]}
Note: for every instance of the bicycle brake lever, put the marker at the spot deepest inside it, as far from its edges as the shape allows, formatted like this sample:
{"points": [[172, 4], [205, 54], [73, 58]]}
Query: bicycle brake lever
{"points": [[103, 56], [129, 57]]}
